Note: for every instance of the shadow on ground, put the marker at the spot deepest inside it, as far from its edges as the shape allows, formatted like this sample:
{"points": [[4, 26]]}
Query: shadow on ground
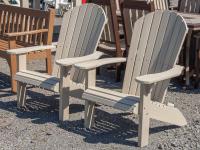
{"points": [[110, 128]]}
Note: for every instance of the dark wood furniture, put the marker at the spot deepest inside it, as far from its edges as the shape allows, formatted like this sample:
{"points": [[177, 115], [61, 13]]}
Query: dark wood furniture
{"points": [[110, 40], [131, 11], [23, 27]]}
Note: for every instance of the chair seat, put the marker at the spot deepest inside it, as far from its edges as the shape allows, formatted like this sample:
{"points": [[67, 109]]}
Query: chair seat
{"points": [[38, 79], [111, 98]]}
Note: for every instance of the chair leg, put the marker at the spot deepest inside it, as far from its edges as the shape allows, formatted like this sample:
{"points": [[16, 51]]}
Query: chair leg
{"points": [[64, 105], [48, 62], [118, 72], [89, 114], [144, 118], [13, 70], [21, 94]]}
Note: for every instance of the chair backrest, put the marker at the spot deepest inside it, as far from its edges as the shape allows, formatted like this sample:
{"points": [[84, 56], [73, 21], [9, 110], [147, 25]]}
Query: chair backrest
{"points": [[189, 6], [80, 33], [16, 19], [160, 4], [132, 10], [156, 43]]}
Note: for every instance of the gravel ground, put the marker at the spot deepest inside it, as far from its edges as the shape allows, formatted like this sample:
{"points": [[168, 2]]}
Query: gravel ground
{"points": [[38, 127]]}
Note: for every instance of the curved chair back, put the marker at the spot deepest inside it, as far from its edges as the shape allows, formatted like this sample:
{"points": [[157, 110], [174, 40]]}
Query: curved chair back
{"points": [[79, 35], [156, 43]]}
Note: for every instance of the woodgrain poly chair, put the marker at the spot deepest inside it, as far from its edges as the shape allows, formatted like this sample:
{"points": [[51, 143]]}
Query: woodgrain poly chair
{"points": [[150, 66], [80, 33]]}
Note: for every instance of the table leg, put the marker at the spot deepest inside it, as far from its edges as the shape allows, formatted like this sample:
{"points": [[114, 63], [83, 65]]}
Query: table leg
{"points": [[187, 57]]}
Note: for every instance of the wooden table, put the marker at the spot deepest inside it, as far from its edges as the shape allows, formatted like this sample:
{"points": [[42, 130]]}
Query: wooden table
{"points": [[193, 23]]}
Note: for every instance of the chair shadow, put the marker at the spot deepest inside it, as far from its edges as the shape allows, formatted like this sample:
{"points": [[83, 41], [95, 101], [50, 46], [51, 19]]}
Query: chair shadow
{"points": [[113, 128], [110, 128]]}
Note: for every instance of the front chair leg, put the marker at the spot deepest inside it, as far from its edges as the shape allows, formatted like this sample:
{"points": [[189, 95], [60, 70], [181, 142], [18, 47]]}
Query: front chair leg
{"points": [[64, 94], [89, 114], [21, 94], [144, 117]]}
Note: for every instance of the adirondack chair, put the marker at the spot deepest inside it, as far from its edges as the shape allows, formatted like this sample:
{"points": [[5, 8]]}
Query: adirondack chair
{"points": [[132, 10], [150, 66], [77, 42]]}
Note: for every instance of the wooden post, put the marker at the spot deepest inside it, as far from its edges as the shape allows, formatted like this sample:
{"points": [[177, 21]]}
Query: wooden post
{"points": [[144, 116], [48, 39], [64, 93]]}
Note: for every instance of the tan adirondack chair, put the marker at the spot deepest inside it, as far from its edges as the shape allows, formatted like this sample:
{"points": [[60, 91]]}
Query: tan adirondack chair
{"points": [[80, 32], [150, 66]]}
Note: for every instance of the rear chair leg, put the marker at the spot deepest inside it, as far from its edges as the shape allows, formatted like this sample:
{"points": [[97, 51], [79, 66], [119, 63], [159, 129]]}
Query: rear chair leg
{"points": [[89, 114], [48, 62], [21, 94]]}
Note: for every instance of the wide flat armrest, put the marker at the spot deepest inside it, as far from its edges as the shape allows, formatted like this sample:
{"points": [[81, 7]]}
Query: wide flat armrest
{"points": [[153, 78], [25, 50], [14, 34], [71, 61], [97, 63]]}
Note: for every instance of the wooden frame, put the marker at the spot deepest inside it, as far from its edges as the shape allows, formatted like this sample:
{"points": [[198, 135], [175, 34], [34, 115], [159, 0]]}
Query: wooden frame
{"points": [[27, 27]]}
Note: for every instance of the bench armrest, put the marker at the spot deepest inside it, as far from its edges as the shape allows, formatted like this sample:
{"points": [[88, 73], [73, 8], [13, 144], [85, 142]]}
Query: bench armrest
{"points": [[71, 61], [89, 65], [154, 78], [20, 51], [15, 34]]}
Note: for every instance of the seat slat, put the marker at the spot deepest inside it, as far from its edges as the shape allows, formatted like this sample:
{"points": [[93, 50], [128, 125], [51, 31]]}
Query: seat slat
{"points": [[115, 99], [37, 79]]}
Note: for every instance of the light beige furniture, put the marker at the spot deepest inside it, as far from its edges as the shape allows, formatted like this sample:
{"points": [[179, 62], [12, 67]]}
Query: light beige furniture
{"points": [[79, 36], [150, 66]]}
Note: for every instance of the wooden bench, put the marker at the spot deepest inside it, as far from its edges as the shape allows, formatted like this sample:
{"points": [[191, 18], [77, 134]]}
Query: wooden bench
{"points": [[23, 27]]}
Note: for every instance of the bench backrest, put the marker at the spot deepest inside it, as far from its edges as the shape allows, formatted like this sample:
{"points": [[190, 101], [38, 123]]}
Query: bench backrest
{"points": [[156, 43], [17, 19]]}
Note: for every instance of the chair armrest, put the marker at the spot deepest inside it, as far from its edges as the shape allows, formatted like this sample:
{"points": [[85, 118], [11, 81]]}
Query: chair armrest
{"points": [[71, 61], [14, 34], [153, 78], [89, 65], [20, 51]]}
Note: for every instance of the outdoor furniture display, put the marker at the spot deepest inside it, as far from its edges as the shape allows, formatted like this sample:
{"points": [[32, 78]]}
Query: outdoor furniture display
{"points": [[110, 39], [155, 46], [78, 39], [131, 11], [27, 27], [188, 8]]}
